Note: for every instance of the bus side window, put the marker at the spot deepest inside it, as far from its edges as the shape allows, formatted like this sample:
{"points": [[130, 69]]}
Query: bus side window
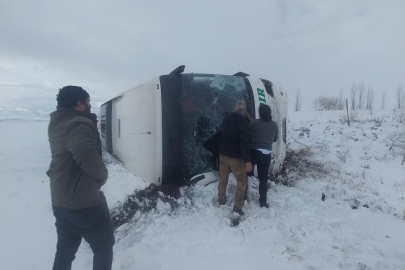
{"points": [[269, 87]]}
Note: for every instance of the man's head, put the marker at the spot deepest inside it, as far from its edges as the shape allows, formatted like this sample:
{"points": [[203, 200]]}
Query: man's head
{"points": [[240, 107], [74, 97], [264, 112]]}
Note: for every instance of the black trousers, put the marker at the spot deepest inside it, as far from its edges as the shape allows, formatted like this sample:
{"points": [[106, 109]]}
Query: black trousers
{"points": [[94, 225], [263, 163]]}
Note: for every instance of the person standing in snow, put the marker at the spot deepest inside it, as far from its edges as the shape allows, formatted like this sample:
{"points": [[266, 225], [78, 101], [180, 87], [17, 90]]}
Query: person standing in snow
{"points": [[76, 174], [263, 132], [234, 155]]}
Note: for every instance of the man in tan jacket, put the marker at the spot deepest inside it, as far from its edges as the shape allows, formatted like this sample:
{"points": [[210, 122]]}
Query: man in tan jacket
{"points": [[76, 174]]}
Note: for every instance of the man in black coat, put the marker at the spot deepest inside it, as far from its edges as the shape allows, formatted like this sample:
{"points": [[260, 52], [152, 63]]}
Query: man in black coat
{"points": [[234, 155]]}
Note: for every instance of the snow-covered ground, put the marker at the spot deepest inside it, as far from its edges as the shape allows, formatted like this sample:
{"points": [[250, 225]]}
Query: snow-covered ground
{"points": [[360, 225]]}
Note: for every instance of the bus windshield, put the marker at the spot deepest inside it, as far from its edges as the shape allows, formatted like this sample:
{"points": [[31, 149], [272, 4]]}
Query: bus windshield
{"points": [[205, 101], [193, 107]]}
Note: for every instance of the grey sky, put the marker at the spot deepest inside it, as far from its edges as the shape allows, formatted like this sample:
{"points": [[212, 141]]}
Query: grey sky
{"points": [[319, 47]]}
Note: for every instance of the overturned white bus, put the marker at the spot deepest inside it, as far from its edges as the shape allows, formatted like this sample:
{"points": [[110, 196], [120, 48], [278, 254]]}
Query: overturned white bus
{"points": [[165, 131]]}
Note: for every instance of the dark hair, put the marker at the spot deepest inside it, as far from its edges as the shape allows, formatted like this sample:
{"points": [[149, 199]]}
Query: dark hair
{"points": [[68, 96], [265, 112]]}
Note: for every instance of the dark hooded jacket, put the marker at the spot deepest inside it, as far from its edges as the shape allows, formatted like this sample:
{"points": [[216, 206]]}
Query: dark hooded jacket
{"points": [[235, 137], [77, 168]]}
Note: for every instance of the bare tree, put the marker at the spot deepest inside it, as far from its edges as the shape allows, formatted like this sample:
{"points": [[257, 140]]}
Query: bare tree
{"points": [[353, 96], [341, 101], [327, 104], [400, 97], [384, 96], [362, 89], [298, 101], [370, 99], [347, 111]]}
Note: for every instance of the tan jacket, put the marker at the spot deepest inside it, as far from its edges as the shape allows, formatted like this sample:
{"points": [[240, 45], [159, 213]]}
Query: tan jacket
{"points": [[77, 167]]}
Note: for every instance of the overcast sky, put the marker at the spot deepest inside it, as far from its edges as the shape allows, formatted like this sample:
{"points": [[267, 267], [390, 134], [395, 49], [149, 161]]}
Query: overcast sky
{"points": [[317, 46]]}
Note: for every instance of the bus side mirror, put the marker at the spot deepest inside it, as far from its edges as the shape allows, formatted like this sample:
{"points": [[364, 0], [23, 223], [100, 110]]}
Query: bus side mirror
{"points": [[178, 70]]}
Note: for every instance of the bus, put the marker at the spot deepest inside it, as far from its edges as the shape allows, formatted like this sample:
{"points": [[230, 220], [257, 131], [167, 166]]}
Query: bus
{"points": [[167, 130]]}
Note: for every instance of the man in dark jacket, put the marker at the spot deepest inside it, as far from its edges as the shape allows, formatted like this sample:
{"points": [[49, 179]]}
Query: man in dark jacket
{"points": [[234, 155], [76, 174], [263, 132]]}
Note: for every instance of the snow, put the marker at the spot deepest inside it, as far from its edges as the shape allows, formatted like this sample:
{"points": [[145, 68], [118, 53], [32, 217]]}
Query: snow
{"points": [[299, 231]]}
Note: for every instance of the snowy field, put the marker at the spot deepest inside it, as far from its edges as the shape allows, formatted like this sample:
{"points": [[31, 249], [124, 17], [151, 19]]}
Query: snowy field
{"points": [[359, 226]]}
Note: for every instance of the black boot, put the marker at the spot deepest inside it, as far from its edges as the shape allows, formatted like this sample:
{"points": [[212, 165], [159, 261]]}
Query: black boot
{"points": [[265, 205], [239, 211]]}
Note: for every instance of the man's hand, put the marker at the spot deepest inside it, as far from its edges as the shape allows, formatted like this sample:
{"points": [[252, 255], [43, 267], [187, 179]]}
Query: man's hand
{"points": [[249, 167]]}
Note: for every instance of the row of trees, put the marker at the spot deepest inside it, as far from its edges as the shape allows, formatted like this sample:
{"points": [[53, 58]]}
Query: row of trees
{"points": [[400, 97], [363, 99], [360, 98]]}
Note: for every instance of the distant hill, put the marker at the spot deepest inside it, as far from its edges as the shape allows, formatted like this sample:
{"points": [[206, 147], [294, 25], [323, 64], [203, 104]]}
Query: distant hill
{"points": [[19, 114]]}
